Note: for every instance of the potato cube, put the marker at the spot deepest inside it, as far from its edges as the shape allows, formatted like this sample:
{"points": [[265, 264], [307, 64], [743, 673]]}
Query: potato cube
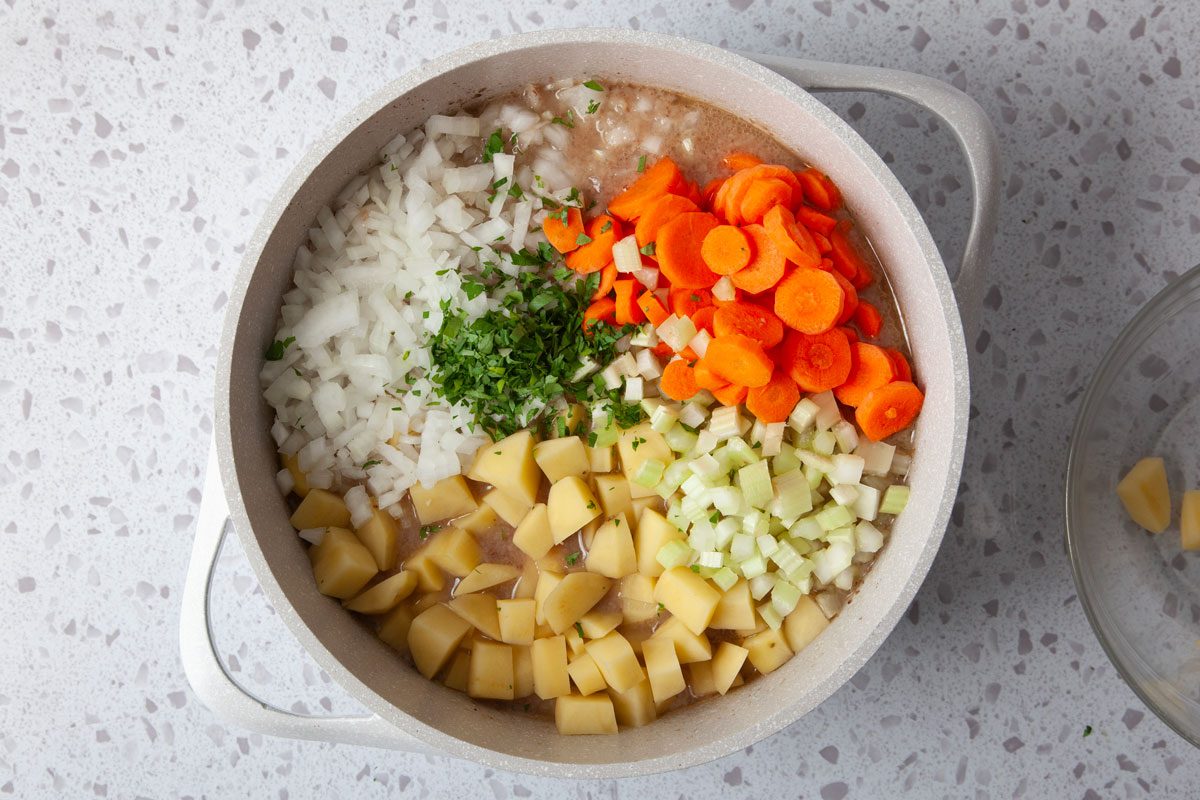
{"points": [[575, 641], [653, 531], [508, 507], [638, 445], [532, 535], [430, 577], [571, 506], [768, 650], [459, 671], [1189, 520], [726, 664], [735, 610], [597, 624], [663, 669], [508, 465], [585, 674], [550, 677], [635, 707], [299, 479], [641, 504], [448, 498], [340, 563], [385, 595], [485, 576], [394, 628], [522, 671], [455, 551], [613, 493], [526, 585], [575, 715], [434, 636], [636, 635], [481, 520], [573, 417], [516, 621], [600, 459], [560, 458], [491, 673], [479, 610], [573, 597], [690, 647], [612, 553], [617, 661], [321, 508], [380, 535], [637, 598], [547, 581], [688, 597], [423, 602], [1146, 495], [804, 624], [700, 679]]}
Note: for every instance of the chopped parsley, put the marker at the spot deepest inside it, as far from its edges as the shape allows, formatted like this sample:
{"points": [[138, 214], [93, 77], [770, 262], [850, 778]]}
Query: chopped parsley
{"points": [[591, 506], [695, 567], [637, 442], [641, 167], [493, 145], [276, 350], [373, 462], [594, 85], [715, 518], [428, 529], [607, 226], [1087, 731], [583, 239], [566, 122], [579, 629], [661, 608], [593, 106], [571, 559], [648, 250]]}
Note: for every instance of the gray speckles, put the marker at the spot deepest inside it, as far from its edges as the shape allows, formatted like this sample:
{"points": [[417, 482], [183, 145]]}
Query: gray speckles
{"points": [[1132, 718], [834, 791], [1096, 21], [733, 777], [920, 39], [1051, 257], [337, 44], [1171, 67], [250, 39], [102, 126], [1138, 30], [740, 5], [11, 169], [996, 25], [830, 754], [328, 87], [1013, 743], [1153, 366], [26, 585]]}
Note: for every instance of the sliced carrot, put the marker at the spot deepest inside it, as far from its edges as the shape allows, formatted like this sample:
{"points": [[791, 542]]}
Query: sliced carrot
{"points": [[767, 267], [823, 245], [710, 191], [659, 212], [739, 160], [851, 304], [563, 237], [678, 250], [793, 240], [815, 221], [725, 249], [870, 368], [653, 308], [809, 300], [730, 395], [750, 320], [663, 351], [817, 363], [686, 302], [868, 319], [774, 401], [596, 253], [762, 196], [603, 310], [706, 378], [702, 318], [678, 381], [846, 259], [740, 182], [900, 363], [663, 177], [627, 312], [889, 409], [850, 334], [739, 359], [819, 189], [607, 276]]}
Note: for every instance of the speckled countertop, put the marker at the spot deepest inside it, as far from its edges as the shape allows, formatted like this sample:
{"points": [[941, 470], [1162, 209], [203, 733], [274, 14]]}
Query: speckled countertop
{"points": [[138, 146]]}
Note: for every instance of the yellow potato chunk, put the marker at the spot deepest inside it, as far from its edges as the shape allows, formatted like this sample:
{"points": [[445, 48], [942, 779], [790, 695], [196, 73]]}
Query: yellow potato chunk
{"points": [[637, 598], [638, 445], [434, 636], [321, 508], [575, 715], [532, 535], [560, 458], [690, 647], [547, 581], [688, 597], [522, 671], [430, 577], [663, 669], [516, 621], [804, 624], [448, 498], [455, 551], [575, 641], [635, 707], [735, 611], [485, 576], [600, 459], [481, 520], [726, 664], [612, 553], [768, 650], [526, 585], [596, 624], [613, 493], [509, 508], [571, 506], [653, 531], [385, 595], [491, 673], [550, 677], [479, 610], [617, 661], [585, 674], [458, 671], [640, 505], [573, 418], [573, 597], [700, 678], [380, 535], [340, 563], [423, 602], [394, 628], [508, 465], [299, 479], [1146, 495], [636, 635], [1189, 520]]}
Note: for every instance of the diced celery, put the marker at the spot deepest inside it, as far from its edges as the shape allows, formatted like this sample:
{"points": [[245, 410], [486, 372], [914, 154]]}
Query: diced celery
{"points": [[784, 598], [772, 440], [754, 523], [803, 546], [724, 422], [867, 538], [766, 544], [844, 580], [842, 536], [740, 453], [703, 536], [804, 440], [711, 559], [770, 616], [693, 414], [832, 560], [727, 500], [792, 496], [699, 342], [894, 499], [876, 456], [645, 337], [676, 516], [606, 436], [705, 572], [786, 461], [694, 486], [813, 475], [801, 574], [706, 466], [706, 440], [635, 389], [829, 413], [676, 331], [834, 517], [815, 460], [679, 438], [867, 505], [663, 418], [825, 443], [649, 473], [694, 508], [762, 585], [753, 567], [786, 557], [755, 482], [742, 546], [674, 554], [846, 469], [673, 475], [844, 494], [651, 404], [778, 527], [725, 530], [803, 415], [806, 528], [900, 464], [847, 436], [804, 584], [725, 578]]}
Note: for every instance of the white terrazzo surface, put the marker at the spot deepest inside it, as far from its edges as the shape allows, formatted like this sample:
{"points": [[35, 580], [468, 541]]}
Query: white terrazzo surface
{"points": [[138, 144]]}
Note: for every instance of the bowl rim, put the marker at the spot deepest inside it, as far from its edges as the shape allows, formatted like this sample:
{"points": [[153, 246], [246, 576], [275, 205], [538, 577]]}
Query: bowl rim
{"points": [[1131, 336]]}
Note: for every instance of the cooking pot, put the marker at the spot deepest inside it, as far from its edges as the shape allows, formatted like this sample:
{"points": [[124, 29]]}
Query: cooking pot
{"points": [[411, 713]]}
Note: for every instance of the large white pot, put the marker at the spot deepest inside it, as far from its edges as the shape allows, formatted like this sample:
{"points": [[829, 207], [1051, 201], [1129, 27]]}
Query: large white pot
{"points": [[414, 714]]}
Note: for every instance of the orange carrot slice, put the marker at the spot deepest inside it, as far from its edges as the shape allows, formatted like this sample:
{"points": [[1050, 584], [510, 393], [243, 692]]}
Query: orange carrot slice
{"points": [[653, 308], [627, 311], [658, 213], [706, 378], [603, 310], [889, 409], [868, 319], [774, 401], [725, 249], [851, 299], [663, 177], [686, 302], [900, 363], [563, 238], [607, 276], [763, 195], [819, 190], [870, 368], [809, 300], [678, 381], [750, 320], [678, 250], [816, 363], [793, 240], [766, 267], [815, 221], [596, 253], [730, 394], [702, 318], [739, 359], [738, 160]]}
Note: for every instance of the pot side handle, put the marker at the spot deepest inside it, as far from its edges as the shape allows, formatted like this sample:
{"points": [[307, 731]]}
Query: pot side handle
{"points": [[971, 128], [213, 684]]}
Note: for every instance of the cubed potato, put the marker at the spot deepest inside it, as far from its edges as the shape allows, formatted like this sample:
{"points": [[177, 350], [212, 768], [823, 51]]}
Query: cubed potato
{"points": [[299, 479], [634, 707], [547, 581], [727, 664], [508, 465], [637, 598], [491, 673], [380, 535], [617, 661], [561, 458], [653, 531], [423, 602], [768, 650], [485, 576], [321, 508], [573, 417], [735, 610], [434, 636], [640, 505], [550, 677], [1189, 520], [430, 577], [700, 679], [597, 624], [575, 715], [663, 669], [393, 629], [340, 563], [448, 498], [479, 610], [587, 534], [508, 507], [479, 521], [636, 635], [526, 585], [522, 671], [638, 445], [585, 674], [458, 673], [612, 553], [516, 621], [688, 597], [600, 459], [1146, 495], [573, 597], [570, 506], [804, 624], [455, 551], [690, 647], [532, 535], [613, 493], [385, 595], [575, 641]]}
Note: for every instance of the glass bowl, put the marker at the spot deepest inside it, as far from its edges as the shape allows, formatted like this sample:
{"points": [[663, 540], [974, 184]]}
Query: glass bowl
{"points": [[1141, 592]]}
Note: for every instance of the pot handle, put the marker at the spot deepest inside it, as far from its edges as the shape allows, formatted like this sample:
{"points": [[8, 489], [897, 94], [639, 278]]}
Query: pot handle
{"points": [[213, 684], [971, 127]]}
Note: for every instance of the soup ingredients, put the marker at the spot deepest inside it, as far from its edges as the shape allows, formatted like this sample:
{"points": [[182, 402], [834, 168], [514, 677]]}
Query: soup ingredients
{"points": [[1189, 520], [1145, 494]]}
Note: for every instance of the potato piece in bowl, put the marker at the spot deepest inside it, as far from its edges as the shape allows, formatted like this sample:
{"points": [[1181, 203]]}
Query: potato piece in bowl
{"points": [[533, 535], [455, 551], [380, 535], [574, 596], [638, 445], [550, 677], [804, 624], [571, 506], [490, 674], [690, 599], [485, 576], [479, 610], [727, 664], [385, 595], [394, 628], [634, 707], [510, 508], [617, 661], [340, 563], [653, 531], [576, 714], [508, 465], [768, 650], [434, 636], [612, 553], [735, 610], [448, 498], [516, 621], [560, 458], [321, 508]]}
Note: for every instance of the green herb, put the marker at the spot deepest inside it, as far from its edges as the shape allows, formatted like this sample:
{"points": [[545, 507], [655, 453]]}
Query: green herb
{"points": [[568, 121], [428, 529], [371, 463], [592, 439], [276, 350], [661, 608], [688, 428], [715, 518], [606, 227], [695, 298], [637, 442], [397, 408], [593, 106], [515, 192], [297, 372], [756, 445], [571, 559], [524, 258], [579, 629], [695, 567], [648, 250], [498, 183], [591, 506], [493, 145], [594, 85], [641, 167], [472, 288], [573, 197], [583, 239], [1087, 731], [441, 272]]}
